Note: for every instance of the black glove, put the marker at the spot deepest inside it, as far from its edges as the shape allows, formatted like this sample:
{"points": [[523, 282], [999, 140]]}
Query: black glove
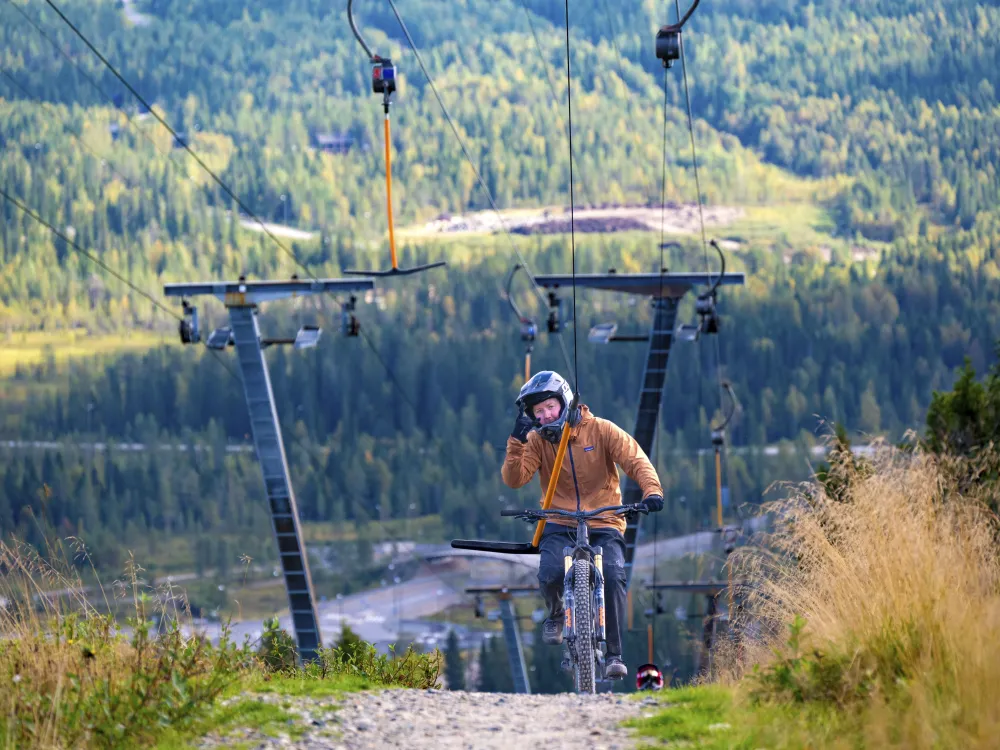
{"points": [[522, 427], [653, 503]]}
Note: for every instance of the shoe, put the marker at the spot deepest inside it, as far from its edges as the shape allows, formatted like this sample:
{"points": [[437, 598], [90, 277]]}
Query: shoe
{"points": [[552, 631], [615, 668]]}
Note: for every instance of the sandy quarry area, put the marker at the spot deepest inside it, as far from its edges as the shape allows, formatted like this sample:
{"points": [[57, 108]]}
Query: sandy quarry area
{"points": [[675, 218]]}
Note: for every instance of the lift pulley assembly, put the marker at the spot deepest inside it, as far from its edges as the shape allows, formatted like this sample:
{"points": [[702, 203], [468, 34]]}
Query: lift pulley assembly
{"points": [[668, 39], [349, 325]]}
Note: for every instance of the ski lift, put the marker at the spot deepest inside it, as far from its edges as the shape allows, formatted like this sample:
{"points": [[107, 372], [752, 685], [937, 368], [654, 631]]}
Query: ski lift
{"points": [[704, 307], [528, 327], [384, 83]]}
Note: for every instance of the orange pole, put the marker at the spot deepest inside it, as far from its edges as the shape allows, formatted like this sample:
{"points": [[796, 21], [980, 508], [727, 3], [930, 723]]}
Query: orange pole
{"points": [[649, 637], [551, 491], [718, 487], [527, 367], [388, 194]]}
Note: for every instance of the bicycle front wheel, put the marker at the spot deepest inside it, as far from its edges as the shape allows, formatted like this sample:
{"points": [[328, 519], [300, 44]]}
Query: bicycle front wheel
{"points": [[583, 630]]}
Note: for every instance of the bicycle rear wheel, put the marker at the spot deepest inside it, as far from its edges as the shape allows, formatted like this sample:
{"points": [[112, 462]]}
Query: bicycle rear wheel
{"points": [[583, 627]]}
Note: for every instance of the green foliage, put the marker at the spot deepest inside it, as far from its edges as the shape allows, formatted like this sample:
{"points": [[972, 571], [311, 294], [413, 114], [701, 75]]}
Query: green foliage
{"points": [[88, 686], [816, 676], [277, 650], [362, 660], [454, 669]]}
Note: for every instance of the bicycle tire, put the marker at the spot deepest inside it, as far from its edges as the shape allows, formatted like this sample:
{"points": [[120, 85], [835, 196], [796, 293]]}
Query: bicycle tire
{"points": [[583, 631]]}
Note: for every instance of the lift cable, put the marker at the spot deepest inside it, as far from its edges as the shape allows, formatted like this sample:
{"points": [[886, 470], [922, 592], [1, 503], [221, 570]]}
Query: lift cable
{"points": [[572, 229], [80, 142], [211, 173], [701, 213], [475, 170], [94, 259], [180, 140], [89, 78]]}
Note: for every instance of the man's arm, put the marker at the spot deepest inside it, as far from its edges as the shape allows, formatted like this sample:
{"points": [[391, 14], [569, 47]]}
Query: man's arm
{"points": [[628, 454], [521, 462]]}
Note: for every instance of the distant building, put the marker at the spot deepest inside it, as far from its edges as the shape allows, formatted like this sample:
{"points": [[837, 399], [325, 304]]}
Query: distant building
{"points": [[337, 143]]}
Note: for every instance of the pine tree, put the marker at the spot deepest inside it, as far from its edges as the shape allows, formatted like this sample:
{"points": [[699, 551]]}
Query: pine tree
{"points": [[454, 669]]}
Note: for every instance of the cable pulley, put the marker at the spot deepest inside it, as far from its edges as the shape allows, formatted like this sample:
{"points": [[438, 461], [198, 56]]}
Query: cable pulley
{"points": [[189, 328], [668, 39], [384, 83], [349, 325]]}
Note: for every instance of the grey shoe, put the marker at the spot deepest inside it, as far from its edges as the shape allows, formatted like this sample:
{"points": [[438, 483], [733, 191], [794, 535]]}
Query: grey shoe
{"points": [[615, 668], [552, 631]]}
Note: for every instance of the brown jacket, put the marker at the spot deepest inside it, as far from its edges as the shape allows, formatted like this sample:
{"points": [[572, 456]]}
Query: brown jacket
{"points": [[597, 445]]}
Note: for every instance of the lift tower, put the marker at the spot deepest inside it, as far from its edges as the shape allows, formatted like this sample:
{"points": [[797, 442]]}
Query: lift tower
{"points": [[242, 298], [666, 291]]}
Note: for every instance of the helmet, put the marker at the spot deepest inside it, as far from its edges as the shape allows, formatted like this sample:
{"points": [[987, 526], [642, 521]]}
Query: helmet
{"points": [[648, 677], [544, 385]]}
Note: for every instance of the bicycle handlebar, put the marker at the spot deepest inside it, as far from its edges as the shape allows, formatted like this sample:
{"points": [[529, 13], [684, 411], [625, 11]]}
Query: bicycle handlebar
{"points": [[539, 514]]}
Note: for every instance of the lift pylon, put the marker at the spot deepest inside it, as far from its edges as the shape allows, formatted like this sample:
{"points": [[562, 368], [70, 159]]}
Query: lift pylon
{"points": [[511, 629], [242, 299], [666, 291]]}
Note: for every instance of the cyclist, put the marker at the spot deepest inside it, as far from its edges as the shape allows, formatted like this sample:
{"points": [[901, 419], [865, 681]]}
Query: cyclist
{"points": [[545, 404]]}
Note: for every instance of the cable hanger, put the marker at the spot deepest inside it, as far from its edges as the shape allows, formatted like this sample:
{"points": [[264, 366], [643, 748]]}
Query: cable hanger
{"points": [[384, 83]]}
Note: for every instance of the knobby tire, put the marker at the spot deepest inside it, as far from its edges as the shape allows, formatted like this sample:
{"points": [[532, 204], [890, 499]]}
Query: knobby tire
{"points": [[584, 643]]}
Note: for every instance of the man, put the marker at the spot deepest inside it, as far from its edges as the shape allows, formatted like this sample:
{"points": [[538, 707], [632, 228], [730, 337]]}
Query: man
{"points": [[545, 404]]}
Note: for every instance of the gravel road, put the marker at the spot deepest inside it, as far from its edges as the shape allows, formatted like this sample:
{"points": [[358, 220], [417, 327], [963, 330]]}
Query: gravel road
{"points": [[445, 720]]}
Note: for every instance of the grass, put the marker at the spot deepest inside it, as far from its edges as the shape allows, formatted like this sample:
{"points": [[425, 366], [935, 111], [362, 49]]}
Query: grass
{"points": [[872, 619], [35, 347], [69, 677], [250, 713]]}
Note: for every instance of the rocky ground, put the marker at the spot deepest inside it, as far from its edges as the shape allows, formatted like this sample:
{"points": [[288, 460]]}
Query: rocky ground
{"points": [[444, 720]]}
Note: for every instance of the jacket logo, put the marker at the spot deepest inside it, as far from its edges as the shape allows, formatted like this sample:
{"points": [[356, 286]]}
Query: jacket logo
{"points": [[588, 448]]}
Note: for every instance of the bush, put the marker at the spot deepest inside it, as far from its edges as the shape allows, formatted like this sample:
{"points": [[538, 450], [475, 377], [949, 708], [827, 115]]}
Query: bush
{"points": [[890, 589]]}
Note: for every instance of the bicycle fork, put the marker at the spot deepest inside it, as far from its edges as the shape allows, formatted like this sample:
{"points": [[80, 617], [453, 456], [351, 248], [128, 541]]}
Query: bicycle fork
{"points": [[569, 600]]}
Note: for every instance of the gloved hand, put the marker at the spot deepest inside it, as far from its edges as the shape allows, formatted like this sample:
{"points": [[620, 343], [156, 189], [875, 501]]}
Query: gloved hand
{"points": [[653, 503], [522, 426]]}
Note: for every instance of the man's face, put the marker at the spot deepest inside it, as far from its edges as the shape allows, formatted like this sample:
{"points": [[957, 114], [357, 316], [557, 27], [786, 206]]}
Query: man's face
{"points": [[547, 411]]}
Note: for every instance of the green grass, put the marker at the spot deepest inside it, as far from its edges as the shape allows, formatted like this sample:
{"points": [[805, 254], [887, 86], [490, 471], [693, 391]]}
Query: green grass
{"points": [[713, 717], [267, 718]]}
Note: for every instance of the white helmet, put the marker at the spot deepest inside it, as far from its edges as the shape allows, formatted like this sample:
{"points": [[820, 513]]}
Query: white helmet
{"points": [[544, 385]]}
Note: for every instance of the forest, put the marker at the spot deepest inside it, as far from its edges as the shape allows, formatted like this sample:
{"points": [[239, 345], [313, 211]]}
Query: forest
{"points": [[879, 124]]}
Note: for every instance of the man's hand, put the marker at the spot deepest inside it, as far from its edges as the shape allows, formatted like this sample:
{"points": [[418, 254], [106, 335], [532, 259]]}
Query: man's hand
{"points": [[522, 426], [653, 503]]}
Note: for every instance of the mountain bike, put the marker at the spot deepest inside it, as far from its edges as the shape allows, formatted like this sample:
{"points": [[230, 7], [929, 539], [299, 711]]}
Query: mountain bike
{"points": [[583, 591]]}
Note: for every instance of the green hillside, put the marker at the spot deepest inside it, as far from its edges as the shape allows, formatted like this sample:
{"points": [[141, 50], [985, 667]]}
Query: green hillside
{"points": [[861, 146]]}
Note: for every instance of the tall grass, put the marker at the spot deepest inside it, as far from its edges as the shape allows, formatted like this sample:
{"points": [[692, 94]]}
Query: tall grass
{"points": [[881, 595], [74, 676]]}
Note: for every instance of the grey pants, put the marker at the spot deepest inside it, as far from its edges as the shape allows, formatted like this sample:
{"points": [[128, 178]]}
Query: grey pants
{"points": [[550, 574]]}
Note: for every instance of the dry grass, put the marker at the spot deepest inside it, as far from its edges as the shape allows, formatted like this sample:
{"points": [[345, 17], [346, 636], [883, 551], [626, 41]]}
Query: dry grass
{"points": [[884, 599]]}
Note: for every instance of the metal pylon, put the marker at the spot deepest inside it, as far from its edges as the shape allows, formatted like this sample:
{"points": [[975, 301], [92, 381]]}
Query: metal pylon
{"points": [[650, 396], [515, 652], [274, 466]]}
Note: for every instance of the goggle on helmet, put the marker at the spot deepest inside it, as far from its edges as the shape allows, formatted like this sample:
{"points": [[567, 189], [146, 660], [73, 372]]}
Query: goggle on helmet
{"points": [[545, 385]]}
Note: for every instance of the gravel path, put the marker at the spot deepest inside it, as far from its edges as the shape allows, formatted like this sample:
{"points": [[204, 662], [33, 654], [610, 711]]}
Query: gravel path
{"points": [[445, 720]]}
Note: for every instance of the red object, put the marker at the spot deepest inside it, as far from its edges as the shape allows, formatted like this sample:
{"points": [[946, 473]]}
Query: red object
{"points": [[648, 677]]}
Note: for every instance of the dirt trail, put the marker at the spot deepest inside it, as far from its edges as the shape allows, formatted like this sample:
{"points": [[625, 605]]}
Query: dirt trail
{"points": [[445, 720]]}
